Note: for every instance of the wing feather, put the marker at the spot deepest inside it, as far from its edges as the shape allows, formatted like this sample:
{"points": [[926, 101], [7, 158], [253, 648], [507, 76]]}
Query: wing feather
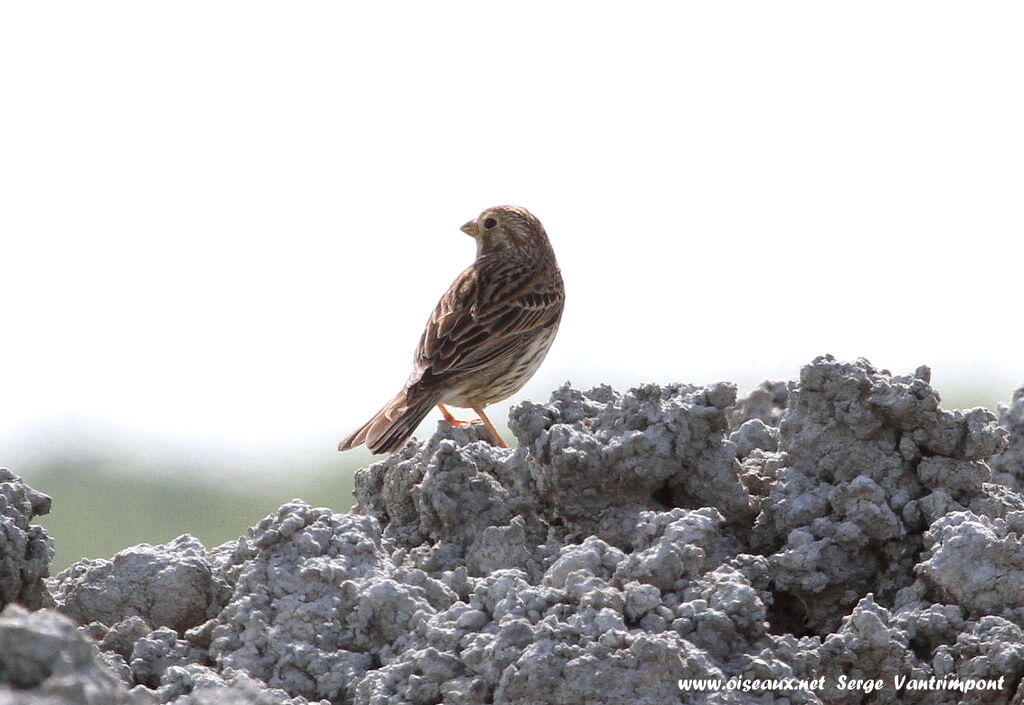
{"points": [[472, 327]]}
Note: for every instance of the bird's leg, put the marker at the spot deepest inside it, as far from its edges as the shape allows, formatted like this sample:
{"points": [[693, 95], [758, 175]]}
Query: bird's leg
{"points": [[498, 441], [451, 419]]}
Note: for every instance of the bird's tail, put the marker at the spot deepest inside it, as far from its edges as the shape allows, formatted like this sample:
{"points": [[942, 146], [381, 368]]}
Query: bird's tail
{"points": [[391, 427]]}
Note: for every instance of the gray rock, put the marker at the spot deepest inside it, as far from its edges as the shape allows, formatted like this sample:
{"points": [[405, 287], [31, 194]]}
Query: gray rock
{"points": [[120, 638], [313, 594], [599, 458], [159, 650], [170, 585], [841, 525], [869, 461], [867, 643], [753, 435], [44, 654], [25, 550], [199, 685], [976, 562], [766, 403], [1008, 466], [456, 501]]}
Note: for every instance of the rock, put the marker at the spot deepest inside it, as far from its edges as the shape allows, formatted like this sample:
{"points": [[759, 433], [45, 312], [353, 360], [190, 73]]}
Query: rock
{"points": [[599, 458], [766, 403], [869, 461], [44, 654], [840, 526], [170, 585], [25, 550], [313, 594], [1008, 466], [754, 435], [976, 562]]}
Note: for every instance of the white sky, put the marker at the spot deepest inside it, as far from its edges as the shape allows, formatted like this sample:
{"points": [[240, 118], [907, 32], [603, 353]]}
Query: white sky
{"points": [[224, 224]]}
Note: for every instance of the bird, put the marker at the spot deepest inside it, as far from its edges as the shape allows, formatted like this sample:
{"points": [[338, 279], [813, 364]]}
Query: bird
{"points": [[487, 335]]}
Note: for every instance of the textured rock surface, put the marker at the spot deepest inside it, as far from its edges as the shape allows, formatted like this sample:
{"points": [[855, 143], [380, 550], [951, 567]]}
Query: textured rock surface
{"points": [[869, 462], [43, 652], [843, 525], [171, 585], [25, 550], [1008, 466]]}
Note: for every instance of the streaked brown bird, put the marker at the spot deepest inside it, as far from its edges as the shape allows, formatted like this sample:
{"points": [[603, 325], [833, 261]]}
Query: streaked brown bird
{"points": [[488, 334]]}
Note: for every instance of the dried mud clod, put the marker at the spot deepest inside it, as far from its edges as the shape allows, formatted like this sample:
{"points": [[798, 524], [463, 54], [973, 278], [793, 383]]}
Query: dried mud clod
{"points": [[841, 524]]}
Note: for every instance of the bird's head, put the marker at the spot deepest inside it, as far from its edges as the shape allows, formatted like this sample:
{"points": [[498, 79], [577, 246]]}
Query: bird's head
{"points": [[506, 228]]}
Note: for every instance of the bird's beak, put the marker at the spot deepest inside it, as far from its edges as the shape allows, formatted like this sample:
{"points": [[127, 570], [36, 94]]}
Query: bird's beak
{"points": [[469, 228]]}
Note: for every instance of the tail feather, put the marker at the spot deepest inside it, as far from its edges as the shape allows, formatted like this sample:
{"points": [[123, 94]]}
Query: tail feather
{"points": [[391, 427]]}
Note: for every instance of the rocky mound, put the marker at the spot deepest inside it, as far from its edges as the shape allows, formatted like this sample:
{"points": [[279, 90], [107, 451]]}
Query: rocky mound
{"points": [[841, 527]]}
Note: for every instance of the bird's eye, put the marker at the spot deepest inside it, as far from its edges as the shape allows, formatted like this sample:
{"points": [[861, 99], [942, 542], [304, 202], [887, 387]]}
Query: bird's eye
{"points": [[490, 223]]}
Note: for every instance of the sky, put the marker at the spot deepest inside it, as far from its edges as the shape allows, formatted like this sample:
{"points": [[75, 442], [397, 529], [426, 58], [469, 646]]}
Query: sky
{"points": [[224, 225]]}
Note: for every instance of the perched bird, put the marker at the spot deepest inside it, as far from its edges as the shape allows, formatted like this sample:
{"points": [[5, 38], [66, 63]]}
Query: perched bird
{"points": [[486, 337]]}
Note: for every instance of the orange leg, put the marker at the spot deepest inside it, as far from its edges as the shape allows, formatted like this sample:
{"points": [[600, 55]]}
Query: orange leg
{"points": [[498, 440], [451, 419]]}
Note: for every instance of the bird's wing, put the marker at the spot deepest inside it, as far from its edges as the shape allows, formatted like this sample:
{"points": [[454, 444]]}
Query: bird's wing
{"points": [[473, 325]]}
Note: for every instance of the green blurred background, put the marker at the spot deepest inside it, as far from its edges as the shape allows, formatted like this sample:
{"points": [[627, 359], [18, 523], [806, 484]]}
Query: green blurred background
{"points": [[107, 497], [106, 501]]}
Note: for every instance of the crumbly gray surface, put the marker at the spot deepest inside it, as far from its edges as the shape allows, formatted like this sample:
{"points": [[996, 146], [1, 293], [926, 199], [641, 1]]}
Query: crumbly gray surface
{"points": [[25, 549], [841, 525], [1008, 466]]}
